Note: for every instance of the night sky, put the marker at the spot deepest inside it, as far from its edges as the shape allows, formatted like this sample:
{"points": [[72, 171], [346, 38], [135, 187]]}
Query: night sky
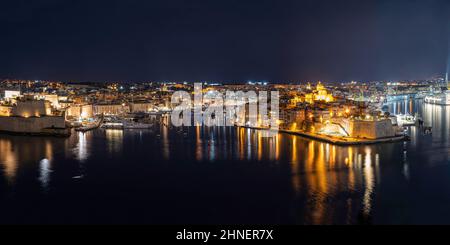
{"points": [[226, 40]]}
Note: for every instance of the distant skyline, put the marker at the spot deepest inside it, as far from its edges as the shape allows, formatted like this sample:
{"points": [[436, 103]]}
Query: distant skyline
{"points": [[202, 40]]}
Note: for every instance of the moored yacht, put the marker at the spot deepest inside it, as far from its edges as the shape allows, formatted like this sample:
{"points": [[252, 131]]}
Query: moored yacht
{"points": [[136, 125], [439, 99]]}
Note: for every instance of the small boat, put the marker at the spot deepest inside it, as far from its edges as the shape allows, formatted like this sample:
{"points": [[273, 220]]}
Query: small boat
{"points": [[427, 130], [137, 125], [112, 125], [90, 125], [75, 124], [85, 128], [406, 120]]}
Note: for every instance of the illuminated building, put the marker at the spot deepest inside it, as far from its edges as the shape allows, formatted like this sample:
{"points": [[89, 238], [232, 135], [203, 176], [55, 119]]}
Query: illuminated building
{"points": [[319, 94], [11, 94], [80, 111], [141, 107], [33, 117], [5, 110], [111, 109]]}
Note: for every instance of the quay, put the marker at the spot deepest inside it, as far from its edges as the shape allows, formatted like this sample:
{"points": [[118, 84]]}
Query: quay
{"points": [[45, 132], [344, 141]]}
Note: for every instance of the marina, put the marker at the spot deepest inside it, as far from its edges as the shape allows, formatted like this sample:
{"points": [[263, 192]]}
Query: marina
{"points": [[311, 181], [439, 99], [256, 114], [90, 125]]}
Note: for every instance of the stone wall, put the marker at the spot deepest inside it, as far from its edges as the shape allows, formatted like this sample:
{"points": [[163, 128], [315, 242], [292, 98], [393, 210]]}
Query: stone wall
{"points": [[371, 129], [5, 110], [30, 125], [30, 108]]}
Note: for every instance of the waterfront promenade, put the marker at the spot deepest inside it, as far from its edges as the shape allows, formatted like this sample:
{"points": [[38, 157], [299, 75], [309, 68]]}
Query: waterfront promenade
{"points": [[336, 140]]}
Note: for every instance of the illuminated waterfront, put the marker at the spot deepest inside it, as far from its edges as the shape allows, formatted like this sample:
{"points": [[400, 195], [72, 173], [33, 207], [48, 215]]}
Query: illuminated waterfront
{"points": [[226, 175]]}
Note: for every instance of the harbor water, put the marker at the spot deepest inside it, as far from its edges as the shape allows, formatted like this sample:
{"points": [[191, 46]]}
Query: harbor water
{"points": [[227, 175]]}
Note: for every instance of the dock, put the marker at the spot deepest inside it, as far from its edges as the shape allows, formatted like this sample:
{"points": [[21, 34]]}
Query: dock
{"points": [[344, 141]]}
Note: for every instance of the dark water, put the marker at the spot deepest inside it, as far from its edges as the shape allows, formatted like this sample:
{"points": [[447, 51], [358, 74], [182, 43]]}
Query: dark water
{"points": [[226, 175]]}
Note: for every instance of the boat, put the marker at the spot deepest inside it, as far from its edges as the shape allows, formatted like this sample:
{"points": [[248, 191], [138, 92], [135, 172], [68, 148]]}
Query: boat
{"points": [[74, 124], [421, 95], [86, 128], [126, 125], [438, 99], [112, 125], [137, 125], [90, 125], [406, 120]]}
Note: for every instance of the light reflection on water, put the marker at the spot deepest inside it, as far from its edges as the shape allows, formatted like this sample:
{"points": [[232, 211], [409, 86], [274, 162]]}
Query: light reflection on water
{"points": [[15, 150], [114, 139], [436, 146], [8, 159], [314, 182], [319, 171], [81, 150], [44, 173]]}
